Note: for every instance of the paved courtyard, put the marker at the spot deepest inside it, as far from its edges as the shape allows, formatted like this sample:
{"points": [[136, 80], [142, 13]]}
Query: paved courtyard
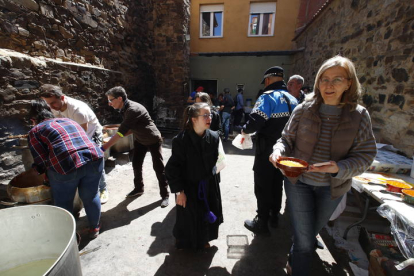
{"points": [[136, 236]]}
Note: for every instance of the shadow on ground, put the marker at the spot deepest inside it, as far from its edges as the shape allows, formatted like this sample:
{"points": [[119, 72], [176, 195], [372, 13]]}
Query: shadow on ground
{"points": [[116, 217], [188, 262]]}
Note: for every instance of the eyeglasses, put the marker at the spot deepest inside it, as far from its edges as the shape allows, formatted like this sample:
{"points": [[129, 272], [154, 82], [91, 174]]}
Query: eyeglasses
{"points": [[335, 82], [111, 100], [206, 116]]}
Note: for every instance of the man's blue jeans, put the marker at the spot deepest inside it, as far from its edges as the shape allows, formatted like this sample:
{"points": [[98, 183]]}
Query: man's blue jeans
{"points": [[86, 180], [310, 208], [226, 124]]}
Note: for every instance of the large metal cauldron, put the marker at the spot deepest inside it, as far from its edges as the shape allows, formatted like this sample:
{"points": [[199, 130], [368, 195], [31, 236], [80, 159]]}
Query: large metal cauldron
{"points": [[124, 144], [28, 187], [38, 240]]}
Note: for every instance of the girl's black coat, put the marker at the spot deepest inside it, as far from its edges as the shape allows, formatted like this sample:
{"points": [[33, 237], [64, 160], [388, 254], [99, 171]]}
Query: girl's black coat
{"points": [[193, 159]]}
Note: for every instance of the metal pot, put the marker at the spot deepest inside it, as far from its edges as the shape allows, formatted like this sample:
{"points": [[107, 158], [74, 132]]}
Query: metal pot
{"points": [[124, 144], [28, 187], [41, 237]]}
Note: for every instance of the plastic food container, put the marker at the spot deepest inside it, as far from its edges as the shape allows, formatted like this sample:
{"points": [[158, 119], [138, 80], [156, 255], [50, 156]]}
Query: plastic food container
{"points": [[290, 170], [396, 186], [408, 196]]}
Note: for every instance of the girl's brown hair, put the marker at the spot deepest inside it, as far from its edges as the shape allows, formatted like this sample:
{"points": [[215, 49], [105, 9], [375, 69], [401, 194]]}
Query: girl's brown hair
{"points": [[192, 111]]}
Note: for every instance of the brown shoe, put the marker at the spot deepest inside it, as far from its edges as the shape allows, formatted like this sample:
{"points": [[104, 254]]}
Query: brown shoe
{"points": [[288, 269]]}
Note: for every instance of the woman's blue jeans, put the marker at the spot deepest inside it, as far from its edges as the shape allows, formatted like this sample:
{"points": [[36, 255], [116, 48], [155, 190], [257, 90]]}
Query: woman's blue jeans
{"points": [[226, 124], [310, 208], [86, 180]]}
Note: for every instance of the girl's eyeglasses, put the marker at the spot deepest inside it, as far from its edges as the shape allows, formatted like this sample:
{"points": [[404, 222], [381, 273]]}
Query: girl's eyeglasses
{"points": [[206, 116]]}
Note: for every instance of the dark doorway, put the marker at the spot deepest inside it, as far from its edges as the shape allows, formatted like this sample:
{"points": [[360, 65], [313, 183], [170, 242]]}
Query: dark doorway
{"points": [[210, 86]]}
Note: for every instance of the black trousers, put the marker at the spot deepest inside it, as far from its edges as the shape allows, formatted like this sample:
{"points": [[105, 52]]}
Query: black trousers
{"points": [[268, 186], [157, 160], [238, 116]]}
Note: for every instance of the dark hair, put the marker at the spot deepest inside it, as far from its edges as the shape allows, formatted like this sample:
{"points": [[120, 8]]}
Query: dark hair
{"points": [[40, 111], [239, 90], [50, 90], [204, 97], [116, 92], [192, 111]]}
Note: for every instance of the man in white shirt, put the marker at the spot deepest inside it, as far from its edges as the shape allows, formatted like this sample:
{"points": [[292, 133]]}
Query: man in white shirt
{"points": [[63, 106]]}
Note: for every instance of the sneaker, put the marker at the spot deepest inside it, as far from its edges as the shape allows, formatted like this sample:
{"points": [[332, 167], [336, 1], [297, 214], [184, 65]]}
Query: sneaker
{"points": [[257, 226], [135, 192], [164, 202], [94, 232], [104, 196]]}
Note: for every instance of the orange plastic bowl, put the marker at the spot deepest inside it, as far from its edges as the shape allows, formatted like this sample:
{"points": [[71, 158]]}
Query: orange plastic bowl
{"points": [[396, 186], [292, 171], [408, 196]]}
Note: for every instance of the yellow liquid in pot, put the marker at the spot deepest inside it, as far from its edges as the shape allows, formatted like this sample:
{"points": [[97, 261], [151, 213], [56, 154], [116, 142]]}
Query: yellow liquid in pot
{"points": [[35, 268]]}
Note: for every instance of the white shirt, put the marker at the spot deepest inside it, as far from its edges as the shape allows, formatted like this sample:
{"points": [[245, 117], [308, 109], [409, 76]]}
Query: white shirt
{"points": [[81, 113]]}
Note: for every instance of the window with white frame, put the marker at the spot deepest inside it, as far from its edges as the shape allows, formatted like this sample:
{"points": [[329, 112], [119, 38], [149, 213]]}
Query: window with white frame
{"points": [[211, 21], [262, 19]]}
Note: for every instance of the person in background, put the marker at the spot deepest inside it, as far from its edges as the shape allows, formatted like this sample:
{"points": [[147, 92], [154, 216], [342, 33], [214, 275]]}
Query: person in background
{"points": [[294, 86], [66, 107], [191, 98], [268, 118], [147, 137], [191, 174], [239, 108], [226, 110], [215, 102], [202, 97], [61, 148], [331, 127]]}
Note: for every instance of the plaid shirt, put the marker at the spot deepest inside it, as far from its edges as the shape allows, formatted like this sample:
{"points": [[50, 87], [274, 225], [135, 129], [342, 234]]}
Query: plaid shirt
{"points": [[61, 145]]}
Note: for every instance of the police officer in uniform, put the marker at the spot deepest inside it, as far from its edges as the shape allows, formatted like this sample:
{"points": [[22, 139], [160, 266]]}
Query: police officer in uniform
{"points": [[268, 118]]}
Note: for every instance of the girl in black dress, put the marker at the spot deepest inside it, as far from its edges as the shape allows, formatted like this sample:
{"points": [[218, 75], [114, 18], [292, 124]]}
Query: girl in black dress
{"points": [[191, 174]]}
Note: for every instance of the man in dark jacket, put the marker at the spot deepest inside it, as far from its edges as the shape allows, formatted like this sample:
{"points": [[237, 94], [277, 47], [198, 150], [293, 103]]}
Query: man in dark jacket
{"points": [[137, 121], [268, 118]]}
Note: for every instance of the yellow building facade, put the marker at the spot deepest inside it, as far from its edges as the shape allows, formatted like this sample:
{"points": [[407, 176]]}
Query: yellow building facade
{"points": [[238, 25], [232, 43]]}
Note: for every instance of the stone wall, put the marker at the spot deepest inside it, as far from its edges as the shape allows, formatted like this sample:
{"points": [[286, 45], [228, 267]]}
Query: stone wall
{"points": [[378, 36], [87, 47]]}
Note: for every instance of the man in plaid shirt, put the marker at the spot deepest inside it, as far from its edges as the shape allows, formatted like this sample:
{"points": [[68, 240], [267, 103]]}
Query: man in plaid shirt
{"points": [[61, 148]]}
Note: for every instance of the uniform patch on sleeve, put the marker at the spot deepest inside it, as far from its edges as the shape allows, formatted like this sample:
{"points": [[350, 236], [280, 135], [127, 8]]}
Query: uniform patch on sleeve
{"points": [[260, 113]]}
